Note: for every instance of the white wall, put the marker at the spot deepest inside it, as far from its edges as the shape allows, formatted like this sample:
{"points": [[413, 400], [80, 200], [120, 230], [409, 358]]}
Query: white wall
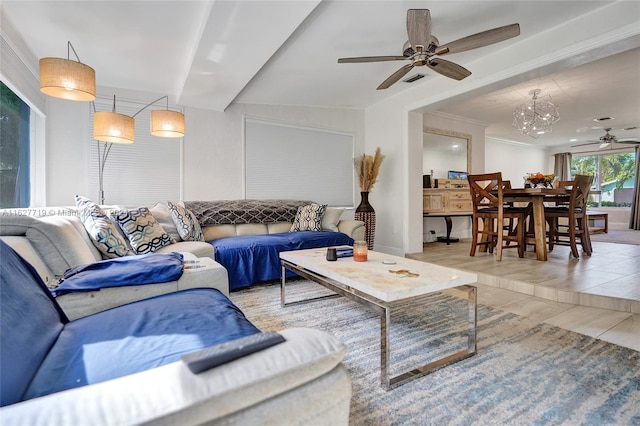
{"points": [[214, 144], [500, 156], [387, 122]]}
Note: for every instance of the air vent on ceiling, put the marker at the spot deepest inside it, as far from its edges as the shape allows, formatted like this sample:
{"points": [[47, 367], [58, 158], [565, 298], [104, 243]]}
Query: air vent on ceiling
{"points": [[413, 78], [603, 119]]}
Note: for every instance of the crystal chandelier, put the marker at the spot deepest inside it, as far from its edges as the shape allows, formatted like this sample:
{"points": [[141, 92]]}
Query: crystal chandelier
{"points": [[535, 117]]}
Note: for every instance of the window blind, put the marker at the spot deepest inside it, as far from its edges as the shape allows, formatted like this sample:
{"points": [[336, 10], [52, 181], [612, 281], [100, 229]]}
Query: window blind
{"points": [[141, 173], [292, 162]]}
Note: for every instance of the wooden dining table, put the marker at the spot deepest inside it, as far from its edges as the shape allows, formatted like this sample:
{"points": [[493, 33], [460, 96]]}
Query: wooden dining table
{"points": [[537, 197]]}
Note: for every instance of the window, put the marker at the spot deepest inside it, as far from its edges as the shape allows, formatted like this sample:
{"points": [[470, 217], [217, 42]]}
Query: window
{"points": [[141, 173], [14, 150], [614, 177], [292, 162]]}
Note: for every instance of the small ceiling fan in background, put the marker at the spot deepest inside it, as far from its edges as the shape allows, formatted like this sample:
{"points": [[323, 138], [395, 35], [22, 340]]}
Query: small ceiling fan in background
{"points": [[607, 140], [422, 48]]}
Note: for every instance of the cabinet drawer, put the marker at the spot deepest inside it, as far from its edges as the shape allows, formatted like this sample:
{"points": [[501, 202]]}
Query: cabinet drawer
{"points": [[459, 195], [460, 206]]}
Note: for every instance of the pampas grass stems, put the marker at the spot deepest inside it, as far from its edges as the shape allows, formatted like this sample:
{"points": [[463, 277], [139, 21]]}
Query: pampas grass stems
{"points": [[368, 168]]}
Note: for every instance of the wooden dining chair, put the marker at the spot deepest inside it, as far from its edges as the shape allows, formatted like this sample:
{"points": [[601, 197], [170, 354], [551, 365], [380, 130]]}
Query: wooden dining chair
{"points": [[575, 213], [489, 214]]}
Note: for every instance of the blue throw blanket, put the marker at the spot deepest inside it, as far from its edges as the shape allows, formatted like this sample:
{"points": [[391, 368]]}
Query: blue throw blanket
{"points": [[253, 258], [123, 271]]}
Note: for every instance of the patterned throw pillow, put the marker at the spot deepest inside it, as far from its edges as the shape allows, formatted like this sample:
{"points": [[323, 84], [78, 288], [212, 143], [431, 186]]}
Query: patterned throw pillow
{"points": [[104, 234], [186, 222], [142, 230], [308, 218]]}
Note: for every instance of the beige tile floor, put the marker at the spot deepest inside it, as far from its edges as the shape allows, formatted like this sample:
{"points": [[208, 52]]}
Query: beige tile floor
{"points": [[598, 296]]}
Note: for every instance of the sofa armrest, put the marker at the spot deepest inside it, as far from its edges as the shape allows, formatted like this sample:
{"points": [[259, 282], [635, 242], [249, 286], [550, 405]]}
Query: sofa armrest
{"points": [[171, 394], [353, 228]]}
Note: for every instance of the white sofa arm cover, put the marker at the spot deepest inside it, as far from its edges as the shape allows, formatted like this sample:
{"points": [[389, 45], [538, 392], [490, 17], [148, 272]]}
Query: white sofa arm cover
{"points": [[171, 394], [353, 228]]}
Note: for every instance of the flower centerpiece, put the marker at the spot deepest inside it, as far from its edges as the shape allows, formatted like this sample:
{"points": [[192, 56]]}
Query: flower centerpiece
{"points": [[535, 180], [367, 167]]}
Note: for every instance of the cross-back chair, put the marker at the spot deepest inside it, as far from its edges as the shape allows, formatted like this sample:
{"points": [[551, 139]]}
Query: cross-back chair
{"points": [[489, 214], [575, 213]]}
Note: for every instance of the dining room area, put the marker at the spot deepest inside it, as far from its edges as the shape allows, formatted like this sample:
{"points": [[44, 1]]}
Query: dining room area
{"points": [[531, 247]]}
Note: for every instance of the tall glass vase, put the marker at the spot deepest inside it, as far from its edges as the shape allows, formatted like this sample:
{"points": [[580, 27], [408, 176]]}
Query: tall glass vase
{"points": [[367, 214]]}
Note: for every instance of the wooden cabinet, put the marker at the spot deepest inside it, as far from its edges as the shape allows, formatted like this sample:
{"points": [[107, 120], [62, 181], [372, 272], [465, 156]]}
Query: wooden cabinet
{"points": [[451, 196]]}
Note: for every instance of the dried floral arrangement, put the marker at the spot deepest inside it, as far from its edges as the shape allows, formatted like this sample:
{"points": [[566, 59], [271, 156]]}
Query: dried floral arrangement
{"points": [[368, 167]]}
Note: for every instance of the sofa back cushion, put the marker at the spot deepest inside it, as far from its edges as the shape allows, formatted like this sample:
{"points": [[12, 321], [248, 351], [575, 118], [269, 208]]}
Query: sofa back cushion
{"points": [[30, 322], [214, 232], [60, 243], [25, 249]]}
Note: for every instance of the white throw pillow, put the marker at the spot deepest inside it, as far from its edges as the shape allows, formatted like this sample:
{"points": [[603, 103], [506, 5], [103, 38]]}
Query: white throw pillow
{"points": [[331, 218], [161, 212], [104, 234], [143, 231], [308, 218], [186, 222]]}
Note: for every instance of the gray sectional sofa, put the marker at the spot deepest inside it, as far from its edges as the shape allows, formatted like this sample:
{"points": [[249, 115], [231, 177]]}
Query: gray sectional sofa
{"points": [[301, 381]]}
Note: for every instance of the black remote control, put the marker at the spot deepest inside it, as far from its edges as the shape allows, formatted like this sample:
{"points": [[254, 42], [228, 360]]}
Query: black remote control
{"points": [[228, 351]]}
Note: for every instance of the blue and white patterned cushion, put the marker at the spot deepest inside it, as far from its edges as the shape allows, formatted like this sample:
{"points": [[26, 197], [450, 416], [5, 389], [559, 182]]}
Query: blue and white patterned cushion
{"points": [[308, 218], [185, 221], [104, 234], [143, 231]]}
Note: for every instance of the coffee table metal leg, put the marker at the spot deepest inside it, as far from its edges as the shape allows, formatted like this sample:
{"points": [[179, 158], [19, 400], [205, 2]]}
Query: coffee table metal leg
{"points": [[389, 383]]}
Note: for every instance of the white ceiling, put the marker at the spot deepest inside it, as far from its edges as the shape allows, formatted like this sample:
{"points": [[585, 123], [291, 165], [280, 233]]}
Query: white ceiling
{"points": [[208, 54]]}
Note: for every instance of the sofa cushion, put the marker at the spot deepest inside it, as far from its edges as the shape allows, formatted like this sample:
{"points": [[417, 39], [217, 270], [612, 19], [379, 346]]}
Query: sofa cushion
{"points": [[104, 234], [30, 321], [58, 242], [161, 212], [330, 218], [253, 258], [137, 337], [196, 248], [185, 222], [142, 230], [309, 218]]}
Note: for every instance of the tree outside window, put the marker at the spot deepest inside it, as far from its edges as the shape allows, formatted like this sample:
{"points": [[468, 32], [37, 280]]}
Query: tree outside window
{"points": [[614, 177], [14, 150]]}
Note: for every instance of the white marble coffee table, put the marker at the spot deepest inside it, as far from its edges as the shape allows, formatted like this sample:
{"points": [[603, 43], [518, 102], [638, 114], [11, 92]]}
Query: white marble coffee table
{"points": [[371, 284]]}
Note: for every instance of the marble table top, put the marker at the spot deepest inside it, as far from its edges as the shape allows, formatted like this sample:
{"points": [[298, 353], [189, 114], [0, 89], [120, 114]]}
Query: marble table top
{"points": [[374, 278]]}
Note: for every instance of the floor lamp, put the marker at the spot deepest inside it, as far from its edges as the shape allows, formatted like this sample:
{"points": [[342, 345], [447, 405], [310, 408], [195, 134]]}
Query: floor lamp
{"points": [[112, 127]]}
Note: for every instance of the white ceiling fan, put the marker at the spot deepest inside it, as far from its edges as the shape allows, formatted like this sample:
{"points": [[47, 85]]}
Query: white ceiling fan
{"points": [[607, 140]]}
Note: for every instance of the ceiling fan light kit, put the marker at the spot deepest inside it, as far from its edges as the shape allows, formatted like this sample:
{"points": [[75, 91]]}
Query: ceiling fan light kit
{"points": [[537, 116], [607, 140], [422, 48]]}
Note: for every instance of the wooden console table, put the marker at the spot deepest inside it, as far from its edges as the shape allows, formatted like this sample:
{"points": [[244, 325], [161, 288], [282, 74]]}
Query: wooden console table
{"points": [[452, 198], [447, 217]]}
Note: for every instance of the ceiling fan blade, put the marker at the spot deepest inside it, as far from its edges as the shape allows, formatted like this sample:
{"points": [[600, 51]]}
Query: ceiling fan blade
{"points": [[419, 27], [371, 59], [395, 77], [632, 142], [481, 39], [448, 69]]}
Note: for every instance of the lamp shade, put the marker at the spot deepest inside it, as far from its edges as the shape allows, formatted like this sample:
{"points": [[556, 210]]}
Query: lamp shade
{"points": [[66, 79], [167, 124], [113, 127]]}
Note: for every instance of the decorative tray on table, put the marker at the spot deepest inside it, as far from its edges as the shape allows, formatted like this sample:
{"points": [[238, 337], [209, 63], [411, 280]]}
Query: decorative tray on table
{"points": [[539, 180]]}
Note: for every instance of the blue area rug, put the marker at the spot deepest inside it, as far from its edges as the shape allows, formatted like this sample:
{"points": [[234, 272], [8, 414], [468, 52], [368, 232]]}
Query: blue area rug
{"points": [[523, 374]]}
